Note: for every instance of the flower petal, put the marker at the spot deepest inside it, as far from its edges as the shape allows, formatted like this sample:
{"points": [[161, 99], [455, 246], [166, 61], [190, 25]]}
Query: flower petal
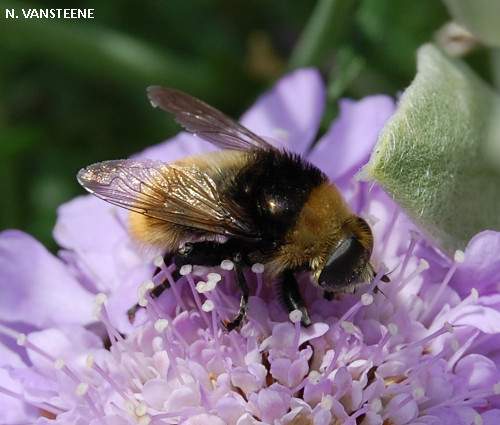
{"points": [[36, 287], [349, 141], [291, 112], [481, 268], [71, 343], [491, 417], [204, 419], [180, 146], [479, 371], [272, 404], [14, 411], [98, 244]]}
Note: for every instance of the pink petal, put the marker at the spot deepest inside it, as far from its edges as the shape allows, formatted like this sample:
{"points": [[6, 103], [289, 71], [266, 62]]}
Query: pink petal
{"points": [[180, 146], [95, 234], [36, 287], [479, 371], [272, 404], [481, 268], [204, 419], [291, 111], [349, 141]]}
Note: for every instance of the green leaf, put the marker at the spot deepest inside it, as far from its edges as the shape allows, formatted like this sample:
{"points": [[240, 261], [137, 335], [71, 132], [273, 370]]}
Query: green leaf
{"points": [[481, 17], [438, 156]]}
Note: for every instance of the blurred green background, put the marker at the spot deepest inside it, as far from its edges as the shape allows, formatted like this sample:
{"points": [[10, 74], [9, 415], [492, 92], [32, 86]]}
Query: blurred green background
{"points": [[73, 91]]}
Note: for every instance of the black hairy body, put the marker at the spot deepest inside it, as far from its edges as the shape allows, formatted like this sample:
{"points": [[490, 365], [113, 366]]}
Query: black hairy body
{"points": [[272, 189]]}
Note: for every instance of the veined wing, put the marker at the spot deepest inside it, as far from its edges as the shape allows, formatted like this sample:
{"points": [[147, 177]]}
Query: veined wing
{"points": [[205, 121], [179, 194]]}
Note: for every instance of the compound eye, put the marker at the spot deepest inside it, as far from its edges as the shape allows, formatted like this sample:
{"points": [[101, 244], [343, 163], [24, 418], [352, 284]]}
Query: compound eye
{"points": [[345, 265]]}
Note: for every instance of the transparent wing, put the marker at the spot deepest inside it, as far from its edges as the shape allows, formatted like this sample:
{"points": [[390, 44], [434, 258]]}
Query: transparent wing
{"points": [[183, 195], [205, 121]]}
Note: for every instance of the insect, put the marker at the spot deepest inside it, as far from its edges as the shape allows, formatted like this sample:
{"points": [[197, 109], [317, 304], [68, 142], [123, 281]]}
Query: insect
{"points": [[248, 202]]}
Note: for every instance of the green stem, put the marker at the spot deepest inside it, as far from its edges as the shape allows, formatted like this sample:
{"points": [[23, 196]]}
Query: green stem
{"points": [[323, 30]]}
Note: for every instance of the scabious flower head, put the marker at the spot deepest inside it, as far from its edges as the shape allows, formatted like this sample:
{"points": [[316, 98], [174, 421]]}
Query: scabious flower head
{"points": [[420, 349]]}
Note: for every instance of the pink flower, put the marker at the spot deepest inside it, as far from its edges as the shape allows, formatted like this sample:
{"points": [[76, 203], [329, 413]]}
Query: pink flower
{"points": [[423, 349]]}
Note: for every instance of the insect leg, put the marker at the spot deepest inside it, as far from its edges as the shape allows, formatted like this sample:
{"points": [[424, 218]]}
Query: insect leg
{"points": [[292, 297], [210, 253], [242, 283], [205, 253]]}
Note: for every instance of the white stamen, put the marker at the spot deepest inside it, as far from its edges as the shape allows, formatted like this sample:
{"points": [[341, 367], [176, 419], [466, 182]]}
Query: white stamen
{"points": [[89, 361], [161, 325], [59, 364], [424, 264], [496, 388], [208, 306], [141, 409], [393, 328], [129, 407], [367, 299], [210, 285], [226, 265], [100, 299], [295, 316], [214, 277], [455, 345], [348, 327], [158, 261], [459, 256], [314, 377], [147, 285], [82, 388], [144, 420], [478, 419], [143, 289], [258, 268], [186, 269], [204, 287], [474, 294], [449, 327], [327, 402], [200, 287], [21, 339]]}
